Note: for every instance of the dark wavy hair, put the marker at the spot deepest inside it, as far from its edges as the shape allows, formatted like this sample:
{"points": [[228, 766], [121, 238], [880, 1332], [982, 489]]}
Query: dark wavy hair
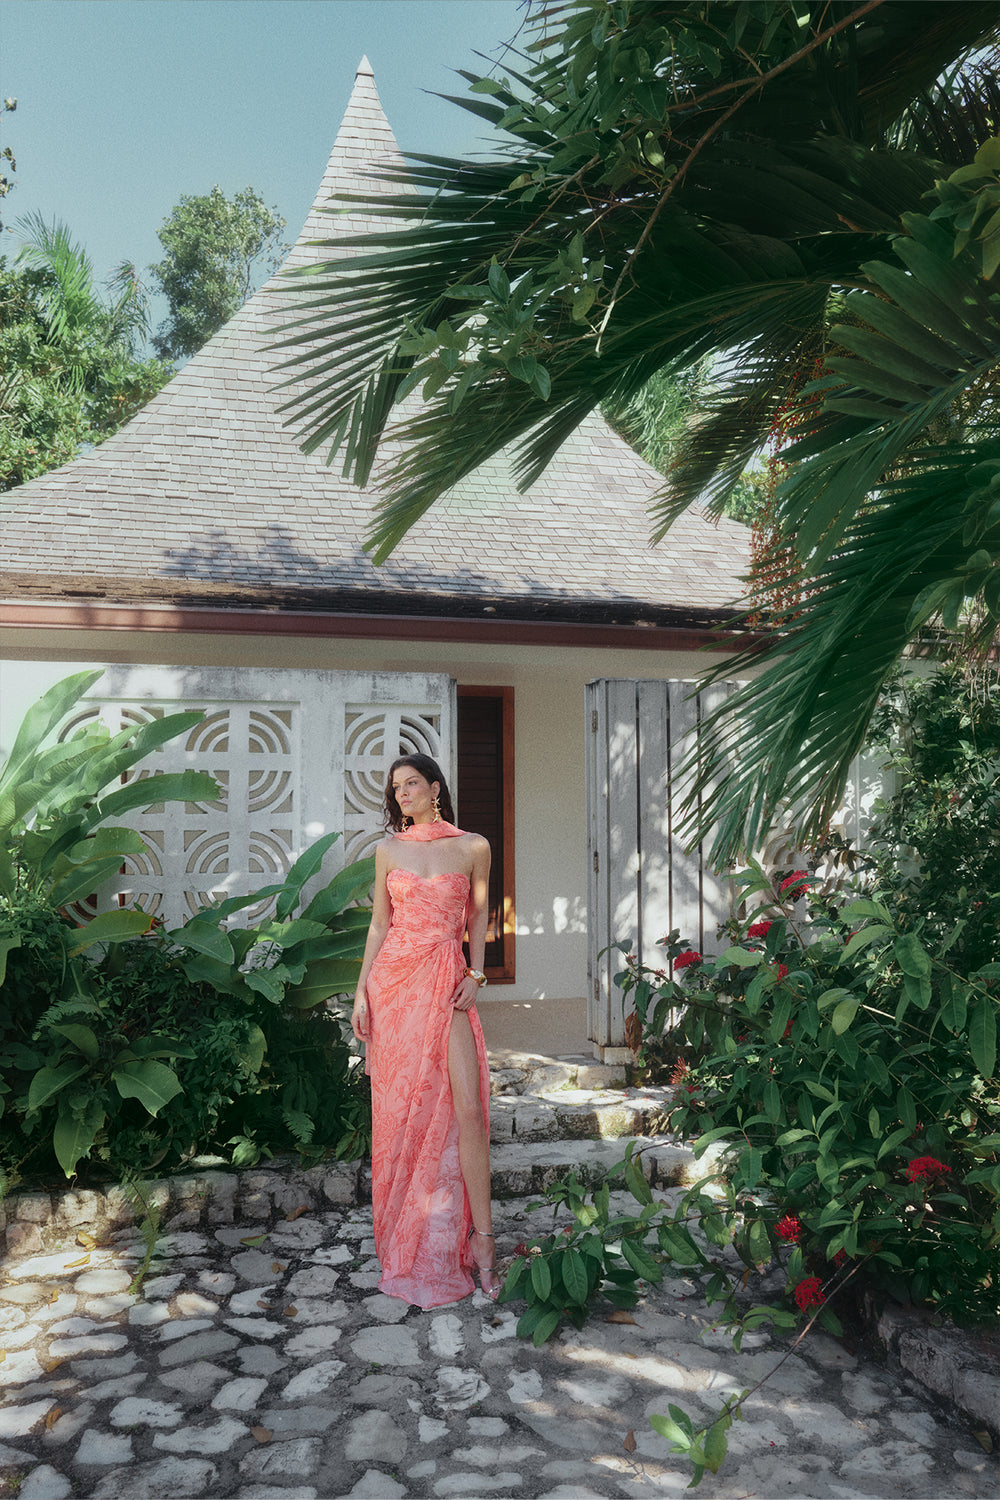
{"points": [[430, 771]]}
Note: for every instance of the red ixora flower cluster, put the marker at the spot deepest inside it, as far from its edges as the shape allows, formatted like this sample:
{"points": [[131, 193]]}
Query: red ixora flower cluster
{"points": [[809, 1293], [685, 960], [759, 929], [926, 1169], [789, 1228], [781, 972], [797, 877]]}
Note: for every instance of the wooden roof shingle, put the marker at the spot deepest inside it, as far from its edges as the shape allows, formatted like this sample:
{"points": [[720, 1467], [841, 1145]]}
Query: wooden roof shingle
{"points": [[205, 497]]}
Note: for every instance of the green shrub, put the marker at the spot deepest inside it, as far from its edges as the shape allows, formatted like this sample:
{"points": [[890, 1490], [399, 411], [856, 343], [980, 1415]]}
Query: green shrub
{"points": [[124, 1047]]}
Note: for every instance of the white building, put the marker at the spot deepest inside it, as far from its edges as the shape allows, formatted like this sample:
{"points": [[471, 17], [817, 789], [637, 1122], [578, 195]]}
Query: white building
{"points": [[204, 560]]}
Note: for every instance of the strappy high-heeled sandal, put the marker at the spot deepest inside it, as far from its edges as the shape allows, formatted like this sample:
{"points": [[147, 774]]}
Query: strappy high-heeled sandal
{"points": [[489, 1276]]}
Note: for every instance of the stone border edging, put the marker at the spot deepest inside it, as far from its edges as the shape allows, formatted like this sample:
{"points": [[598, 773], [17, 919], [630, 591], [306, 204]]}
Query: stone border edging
{"points": [[31, 1222], [941, 1359]]}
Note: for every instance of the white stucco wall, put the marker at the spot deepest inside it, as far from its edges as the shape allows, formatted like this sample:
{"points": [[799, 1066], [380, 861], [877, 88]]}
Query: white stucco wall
{"points": [[550, 730]]}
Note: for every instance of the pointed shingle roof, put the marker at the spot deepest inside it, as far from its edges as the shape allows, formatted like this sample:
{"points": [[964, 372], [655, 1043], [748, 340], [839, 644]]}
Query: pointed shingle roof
{"points": [[205, 497]]}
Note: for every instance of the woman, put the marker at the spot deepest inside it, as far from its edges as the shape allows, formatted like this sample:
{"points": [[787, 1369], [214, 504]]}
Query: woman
{"points": [[415, 1007]]}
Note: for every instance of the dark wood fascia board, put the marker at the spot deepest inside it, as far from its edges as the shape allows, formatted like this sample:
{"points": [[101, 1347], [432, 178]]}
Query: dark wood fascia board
{"points": [[20, 614]]}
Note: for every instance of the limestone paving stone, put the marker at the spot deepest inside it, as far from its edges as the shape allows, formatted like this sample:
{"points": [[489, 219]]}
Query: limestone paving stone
{"points": [[68, 1426], [170, 1330], [313, 1342], [374, 1485], [101, 1282], [104, 1369], [122, 1385], [137, 1411], [385, 1391], [260, 1359], [218, 1437], [17, 1421], [103, 1448], [196, 1381], [164, 1479], [313, 1381], [298, 1456], [45, 1483], [197, 1346], [374, 1434], [242, 1394], [292, 1421], [386, 1345]]}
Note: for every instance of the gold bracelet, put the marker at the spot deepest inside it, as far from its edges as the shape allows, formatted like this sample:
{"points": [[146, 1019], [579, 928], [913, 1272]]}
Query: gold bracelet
{"points": [[477, 975]]}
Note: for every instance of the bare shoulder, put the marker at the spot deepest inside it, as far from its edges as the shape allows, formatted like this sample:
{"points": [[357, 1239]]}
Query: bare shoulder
{"points": [[383, 849], [477, 845]]}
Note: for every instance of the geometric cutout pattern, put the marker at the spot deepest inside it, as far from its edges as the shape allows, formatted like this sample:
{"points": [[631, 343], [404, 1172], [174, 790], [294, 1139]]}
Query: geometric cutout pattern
{"points": [[198, 853], [374, 736]]}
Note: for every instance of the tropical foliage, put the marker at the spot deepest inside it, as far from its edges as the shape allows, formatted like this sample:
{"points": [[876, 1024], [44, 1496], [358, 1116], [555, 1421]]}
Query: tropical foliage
{"points": [[123, 1045], [72, 370], [762, 185], [215, 249]]}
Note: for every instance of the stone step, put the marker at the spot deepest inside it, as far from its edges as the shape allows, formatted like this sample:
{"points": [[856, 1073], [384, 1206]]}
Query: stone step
{"points": [[522, 1170], [513, 1072], [556, 1110]]}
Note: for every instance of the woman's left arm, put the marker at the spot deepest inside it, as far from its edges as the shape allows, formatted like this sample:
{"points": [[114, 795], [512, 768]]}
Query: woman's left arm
{"points": [[478, 918]]}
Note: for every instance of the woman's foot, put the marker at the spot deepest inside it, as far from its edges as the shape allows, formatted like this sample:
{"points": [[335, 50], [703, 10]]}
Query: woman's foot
{"points": [[484, 1253]]}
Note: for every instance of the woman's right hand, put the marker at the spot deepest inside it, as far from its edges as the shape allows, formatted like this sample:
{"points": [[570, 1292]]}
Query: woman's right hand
{"points": [[359, 1017]]}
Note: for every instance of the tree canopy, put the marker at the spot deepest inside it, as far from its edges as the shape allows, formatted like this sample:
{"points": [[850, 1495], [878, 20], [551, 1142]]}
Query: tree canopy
{"points": [[216, 250], [804, 193], [72, 367]]}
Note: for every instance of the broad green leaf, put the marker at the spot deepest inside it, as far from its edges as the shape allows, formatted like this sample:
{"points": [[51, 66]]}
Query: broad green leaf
{"points": [[266, 982], [327, 977], [110, 927], [845, 1013], [541, 1278], [74, 1133], [574, 1275], [287, 934], [911, 956], [744, 958], [749, 1168], [715, 1446], [636, 1182], [349, 885], [671, 1431], [151, 1082], [41, 719], [983, 1036], [546, 1327], [82, 1038], [893, 1141], [865, 938], [202, 934], [677, 1244], [48, 1082], [305, 867], [640, 1261], [146, 791], [83, 880], [7, 945]]}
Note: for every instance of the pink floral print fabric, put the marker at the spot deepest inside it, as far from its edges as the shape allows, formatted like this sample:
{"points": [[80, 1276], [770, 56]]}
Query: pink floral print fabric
{"points": [[420, 1207]]}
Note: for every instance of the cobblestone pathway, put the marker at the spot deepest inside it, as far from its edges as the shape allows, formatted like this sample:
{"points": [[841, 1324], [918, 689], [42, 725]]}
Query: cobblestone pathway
{"points": [[261, 1362]]}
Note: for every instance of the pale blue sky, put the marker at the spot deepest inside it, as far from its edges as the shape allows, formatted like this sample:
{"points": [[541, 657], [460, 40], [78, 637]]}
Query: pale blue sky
{"points": [[125, 105]]}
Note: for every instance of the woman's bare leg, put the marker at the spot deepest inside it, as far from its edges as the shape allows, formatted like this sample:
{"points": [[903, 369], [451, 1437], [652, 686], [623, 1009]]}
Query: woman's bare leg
{"points": [[473, 1140]]}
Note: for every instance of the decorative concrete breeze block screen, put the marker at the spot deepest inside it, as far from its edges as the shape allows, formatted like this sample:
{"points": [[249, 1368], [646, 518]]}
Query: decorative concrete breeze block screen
{"points": [[296, 754]]}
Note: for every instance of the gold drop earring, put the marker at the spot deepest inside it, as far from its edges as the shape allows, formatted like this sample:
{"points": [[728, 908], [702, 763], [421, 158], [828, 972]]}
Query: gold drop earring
{"points": [[437, 810]]}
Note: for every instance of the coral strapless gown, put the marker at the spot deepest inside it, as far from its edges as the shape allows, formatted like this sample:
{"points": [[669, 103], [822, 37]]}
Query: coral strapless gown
{"points": [[419, 1202]]}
